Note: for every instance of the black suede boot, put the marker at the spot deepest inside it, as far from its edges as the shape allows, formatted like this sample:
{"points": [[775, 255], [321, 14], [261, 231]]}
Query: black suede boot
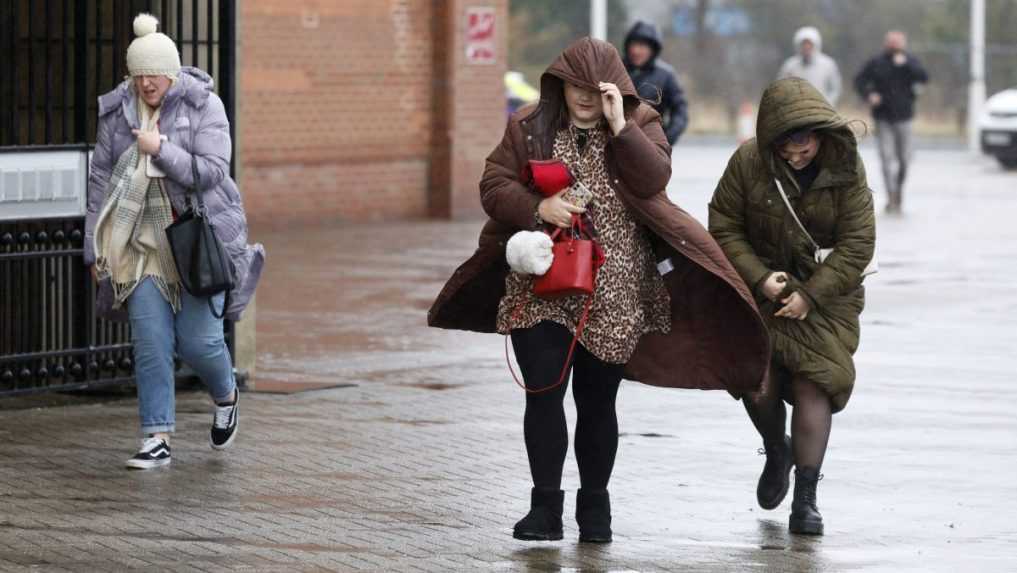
{"points": [[775, 479], [593, 514], [805, 517], [543, 522]]}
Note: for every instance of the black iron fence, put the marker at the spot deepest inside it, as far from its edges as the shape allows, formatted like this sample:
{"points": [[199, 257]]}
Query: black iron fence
{"points": [[63, 54], [60, 56], [50, 338]]}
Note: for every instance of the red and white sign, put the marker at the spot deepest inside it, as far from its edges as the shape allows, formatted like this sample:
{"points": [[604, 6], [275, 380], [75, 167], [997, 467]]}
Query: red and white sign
{"points": [[480, 40]]}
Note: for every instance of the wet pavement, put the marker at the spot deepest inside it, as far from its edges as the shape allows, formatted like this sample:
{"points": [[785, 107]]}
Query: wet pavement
{"points": [[420, 466]]}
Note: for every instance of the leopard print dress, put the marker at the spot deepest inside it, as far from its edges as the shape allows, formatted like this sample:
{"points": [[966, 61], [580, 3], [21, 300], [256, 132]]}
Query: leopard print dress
{"points": [[630, 297]]}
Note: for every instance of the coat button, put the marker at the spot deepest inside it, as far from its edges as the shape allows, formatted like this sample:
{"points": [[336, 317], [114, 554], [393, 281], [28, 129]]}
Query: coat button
{"points": [[528, 137], [683, 242], [615, 181]]}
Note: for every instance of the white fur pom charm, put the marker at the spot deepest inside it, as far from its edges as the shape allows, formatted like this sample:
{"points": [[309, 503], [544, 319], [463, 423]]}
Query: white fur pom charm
{"points": [[145, 24], [529, 252]]}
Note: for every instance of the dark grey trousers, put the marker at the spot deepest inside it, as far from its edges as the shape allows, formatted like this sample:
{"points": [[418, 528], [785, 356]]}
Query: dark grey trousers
{"points": [[894, 140]]}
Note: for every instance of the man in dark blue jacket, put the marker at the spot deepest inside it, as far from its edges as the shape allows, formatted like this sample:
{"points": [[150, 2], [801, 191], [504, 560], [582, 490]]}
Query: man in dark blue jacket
{"points": [[655, 80], [887, 84]]}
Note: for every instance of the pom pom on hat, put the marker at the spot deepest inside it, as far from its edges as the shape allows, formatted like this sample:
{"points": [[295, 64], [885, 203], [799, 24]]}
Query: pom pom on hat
{"points": [[152, 53], [145, 24]]}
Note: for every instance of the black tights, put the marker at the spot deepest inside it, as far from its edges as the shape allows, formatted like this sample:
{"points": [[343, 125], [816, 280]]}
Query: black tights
{"points": [[810, 421], [541, 352]]}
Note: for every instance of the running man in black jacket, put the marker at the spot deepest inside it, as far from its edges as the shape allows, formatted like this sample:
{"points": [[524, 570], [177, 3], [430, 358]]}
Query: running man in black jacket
{"points": [[887, 83]]}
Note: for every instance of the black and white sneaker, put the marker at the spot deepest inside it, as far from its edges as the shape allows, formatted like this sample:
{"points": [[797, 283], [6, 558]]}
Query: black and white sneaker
{"points": [[224, 425], [154, 452]]}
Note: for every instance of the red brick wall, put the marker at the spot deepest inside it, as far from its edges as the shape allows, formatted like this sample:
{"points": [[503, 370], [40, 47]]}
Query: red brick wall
{"points": [[474, 107], [336, 109]]}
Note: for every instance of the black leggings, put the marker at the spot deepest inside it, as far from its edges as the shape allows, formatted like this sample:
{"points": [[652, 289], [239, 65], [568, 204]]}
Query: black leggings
{"points": [[541, 352]]}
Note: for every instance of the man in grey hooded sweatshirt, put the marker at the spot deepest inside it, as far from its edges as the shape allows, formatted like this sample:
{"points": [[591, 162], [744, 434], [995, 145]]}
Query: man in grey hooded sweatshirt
{"points": [[812, 65]]}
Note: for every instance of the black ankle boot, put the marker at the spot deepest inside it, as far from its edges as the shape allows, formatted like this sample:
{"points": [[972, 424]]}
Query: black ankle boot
{"points": [[805, 517], [775, 479], [593, 514], [543, 522]]}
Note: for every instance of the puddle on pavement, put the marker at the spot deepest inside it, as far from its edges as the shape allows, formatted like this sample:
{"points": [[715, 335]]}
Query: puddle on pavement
{"points": [[391, 420], [435, 386], [281, 387], [879, 322]]}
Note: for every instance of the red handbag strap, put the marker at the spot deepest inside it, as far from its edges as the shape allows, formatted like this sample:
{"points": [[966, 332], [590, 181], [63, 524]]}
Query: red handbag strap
{"points": [[568, 359], [598, 261], [577, 221]]}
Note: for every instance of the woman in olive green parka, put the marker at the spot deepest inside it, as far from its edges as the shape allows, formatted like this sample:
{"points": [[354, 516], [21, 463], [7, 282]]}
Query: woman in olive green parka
{"points": [[811, 308]]}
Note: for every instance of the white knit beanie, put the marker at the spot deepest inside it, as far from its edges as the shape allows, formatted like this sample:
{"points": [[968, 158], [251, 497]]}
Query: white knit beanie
{"points": [[151, 53]]}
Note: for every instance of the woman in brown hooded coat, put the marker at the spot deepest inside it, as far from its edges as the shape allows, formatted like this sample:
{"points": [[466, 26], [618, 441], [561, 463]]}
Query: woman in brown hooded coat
{"points": [[668, 309]]}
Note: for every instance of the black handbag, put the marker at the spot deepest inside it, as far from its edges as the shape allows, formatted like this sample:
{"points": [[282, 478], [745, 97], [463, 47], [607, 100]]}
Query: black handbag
{"points": [[202, 263]]}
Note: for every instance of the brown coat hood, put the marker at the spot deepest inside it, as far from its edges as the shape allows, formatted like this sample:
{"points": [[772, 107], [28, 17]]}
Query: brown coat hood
{"points": [[586, 63], [718, 339]]}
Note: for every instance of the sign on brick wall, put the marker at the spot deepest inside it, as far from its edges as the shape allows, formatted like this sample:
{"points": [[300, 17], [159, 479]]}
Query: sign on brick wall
{"points": [[480, 46]]}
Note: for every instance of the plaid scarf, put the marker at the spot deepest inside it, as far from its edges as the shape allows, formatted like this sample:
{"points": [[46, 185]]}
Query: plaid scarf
{"points": [[130, 233]]}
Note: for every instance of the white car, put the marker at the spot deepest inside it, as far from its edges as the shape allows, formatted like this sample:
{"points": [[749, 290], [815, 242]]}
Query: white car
{"points": [[998, 128]]}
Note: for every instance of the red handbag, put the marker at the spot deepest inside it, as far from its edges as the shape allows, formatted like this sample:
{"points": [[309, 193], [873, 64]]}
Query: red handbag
{"points": [[577, 260], [577, 257], [549, 176]]}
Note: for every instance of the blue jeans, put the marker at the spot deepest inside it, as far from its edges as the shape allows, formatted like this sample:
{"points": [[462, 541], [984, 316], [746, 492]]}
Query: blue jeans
{"points": [[193, 333]]}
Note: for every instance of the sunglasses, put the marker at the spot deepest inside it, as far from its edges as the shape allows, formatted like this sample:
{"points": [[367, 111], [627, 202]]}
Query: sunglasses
{"points": [[800, 137]]}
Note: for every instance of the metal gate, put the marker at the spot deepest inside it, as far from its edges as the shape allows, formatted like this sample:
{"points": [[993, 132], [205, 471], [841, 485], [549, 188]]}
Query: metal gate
{"points": [[65, 54]]}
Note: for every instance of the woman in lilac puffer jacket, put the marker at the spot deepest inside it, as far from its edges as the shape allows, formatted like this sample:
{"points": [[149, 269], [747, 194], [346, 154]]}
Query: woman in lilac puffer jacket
{"points": [[151, 129]]}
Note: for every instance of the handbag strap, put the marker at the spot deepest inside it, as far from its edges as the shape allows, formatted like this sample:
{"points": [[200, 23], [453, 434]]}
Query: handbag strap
{"points": [[568, 359], [577, 230], [225, 305], [194, 188], [582, 227], [598, 261], [200, 211], [783, 195]]}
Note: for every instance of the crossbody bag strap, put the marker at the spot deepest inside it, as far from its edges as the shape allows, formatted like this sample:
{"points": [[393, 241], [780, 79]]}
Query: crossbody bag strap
{"points": [[787, 203], [598, 262], [568, 359]]}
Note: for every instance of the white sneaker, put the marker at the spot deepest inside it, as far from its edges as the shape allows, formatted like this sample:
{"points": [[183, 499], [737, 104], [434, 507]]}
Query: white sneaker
{"points": [[154, 452]]}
